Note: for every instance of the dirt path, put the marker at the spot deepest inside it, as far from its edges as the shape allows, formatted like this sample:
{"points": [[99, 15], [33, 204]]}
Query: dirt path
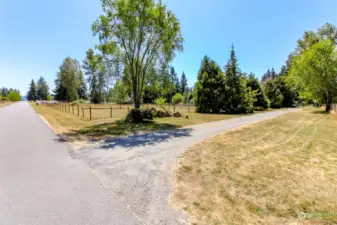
{"points": [[136, 169]]}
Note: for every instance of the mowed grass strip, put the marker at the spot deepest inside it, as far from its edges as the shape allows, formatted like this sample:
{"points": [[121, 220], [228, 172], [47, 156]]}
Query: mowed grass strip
{"points": [[280, 171], [101, 126]]}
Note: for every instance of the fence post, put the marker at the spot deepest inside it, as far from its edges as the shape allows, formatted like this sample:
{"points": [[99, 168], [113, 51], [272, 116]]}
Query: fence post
{"points": [[78, 110], [128, 108], [90, 111], [82, 112], [188, 107], [68, 108], [73, 108], [120, 106], [111, 112]]}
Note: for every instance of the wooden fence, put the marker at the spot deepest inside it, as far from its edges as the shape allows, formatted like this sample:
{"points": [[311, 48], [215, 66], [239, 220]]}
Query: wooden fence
{"points": [[108, 110]]}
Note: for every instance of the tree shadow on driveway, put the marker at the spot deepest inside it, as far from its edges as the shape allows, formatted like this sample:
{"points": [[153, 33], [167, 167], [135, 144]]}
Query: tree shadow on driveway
{"points": [[146, 139]]}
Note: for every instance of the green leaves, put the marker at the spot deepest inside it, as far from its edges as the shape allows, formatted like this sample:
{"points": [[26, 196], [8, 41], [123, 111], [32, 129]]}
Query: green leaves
{"points": [[142, 32], [315, 70]]}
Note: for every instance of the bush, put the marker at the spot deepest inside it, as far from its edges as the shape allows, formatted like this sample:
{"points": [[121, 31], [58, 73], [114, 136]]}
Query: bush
{"points": [[177, 114], [134, 116], [154, 112], [138, 115], [147, 114], [168, 113], [160, 102], [14, 96], [160, 113], [259, 108], [79, 102]]}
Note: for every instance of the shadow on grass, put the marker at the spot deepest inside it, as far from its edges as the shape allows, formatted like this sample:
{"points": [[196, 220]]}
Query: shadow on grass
{"points": [[140, 133], [322, 112]]}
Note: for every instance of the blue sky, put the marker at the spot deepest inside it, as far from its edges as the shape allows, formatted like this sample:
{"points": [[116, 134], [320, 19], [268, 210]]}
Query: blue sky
{"points": [[36, 35]]}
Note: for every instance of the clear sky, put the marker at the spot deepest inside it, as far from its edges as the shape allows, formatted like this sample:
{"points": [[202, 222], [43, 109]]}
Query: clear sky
{"points": [[36, 35]]}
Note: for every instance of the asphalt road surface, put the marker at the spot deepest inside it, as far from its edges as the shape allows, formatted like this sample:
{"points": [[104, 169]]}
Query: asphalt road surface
{"points": [[118, 181], [40, 183]]}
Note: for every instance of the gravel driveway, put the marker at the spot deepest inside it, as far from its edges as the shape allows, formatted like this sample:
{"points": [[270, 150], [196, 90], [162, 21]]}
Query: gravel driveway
{"points": [[137, 168]]}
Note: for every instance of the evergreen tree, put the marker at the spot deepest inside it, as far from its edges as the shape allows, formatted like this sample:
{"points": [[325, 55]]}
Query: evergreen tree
{"points": [[32, 92], [235, 89], [210, 88], [261, 98], [274, 93], [183, 83], [273, 74], [166, 83], [42, 89], [175, 80]]}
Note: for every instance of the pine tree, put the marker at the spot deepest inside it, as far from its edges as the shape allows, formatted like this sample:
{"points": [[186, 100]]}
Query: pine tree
{"points": [[273, 74], [175, 80], [183, 83], [31, 95], [234, 87], [42, 89]]}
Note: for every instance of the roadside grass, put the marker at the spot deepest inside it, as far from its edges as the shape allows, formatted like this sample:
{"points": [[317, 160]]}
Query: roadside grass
{"points": [[78, 128], [280, 171], [4, 103]]}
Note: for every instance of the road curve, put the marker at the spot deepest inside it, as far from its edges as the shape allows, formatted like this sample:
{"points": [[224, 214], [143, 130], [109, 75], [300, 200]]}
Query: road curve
{"points": [[40, 183], [137, 168]]}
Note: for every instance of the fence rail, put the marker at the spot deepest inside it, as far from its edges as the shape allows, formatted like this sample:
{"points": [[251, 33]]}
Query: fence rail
{"points": [[119, 109]]}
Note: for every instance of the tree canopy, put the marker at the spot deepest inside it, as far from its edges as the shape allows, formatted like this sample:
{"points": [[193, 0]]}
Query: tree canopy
{"points": [[315, 70], [141, 32]]}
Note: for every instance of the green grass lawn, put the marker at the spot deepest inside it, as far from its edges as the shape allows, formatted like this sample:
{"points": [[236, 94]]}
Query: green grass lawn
{"points": [[280, 171]]}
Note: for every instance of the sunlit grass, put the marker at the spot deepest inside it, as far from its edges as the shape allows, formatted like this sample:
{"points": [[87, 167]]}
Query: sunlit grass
{"points": [[273, 172]]}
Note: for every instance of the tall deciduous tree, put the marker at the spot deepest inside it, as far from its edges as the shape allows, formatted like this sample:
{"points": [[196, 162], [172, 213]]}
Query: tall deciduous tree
{"points": [[69, 84], [42, 89], [315, 70], [32, 92], [143, 32], [94, 70], [183, 83]]}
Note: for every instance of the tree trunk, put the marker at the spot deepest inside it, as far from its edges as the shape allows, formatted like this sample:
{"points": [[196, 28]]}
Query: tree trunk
{"points": [[327, 107]]}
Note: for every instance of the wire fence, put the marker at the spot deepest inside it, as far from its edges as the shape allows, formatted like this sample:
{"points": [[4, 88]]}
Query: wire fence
{"points": [[99, 111]]}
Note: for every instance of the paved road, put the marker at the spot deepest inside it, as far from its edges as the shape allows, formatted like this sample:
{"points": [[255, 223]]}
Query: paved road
{"points": [[40, 183], [118, 181], [137, 168]]}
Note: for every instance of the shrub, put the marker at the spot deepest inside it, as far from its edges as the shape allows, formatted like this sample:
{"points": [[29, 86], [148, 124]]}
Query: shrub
{"points": [[147, 114], [168, 113], [134, 116], [177, 114], [154, 112], [14, 96], [160, 102], [160, 113], [79, 102]]}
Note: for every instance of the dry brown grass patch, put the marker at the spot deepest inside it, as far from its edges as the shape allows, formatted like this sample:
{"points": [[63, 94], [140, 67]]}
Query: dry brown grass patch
{"points": [[267, 173]]}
